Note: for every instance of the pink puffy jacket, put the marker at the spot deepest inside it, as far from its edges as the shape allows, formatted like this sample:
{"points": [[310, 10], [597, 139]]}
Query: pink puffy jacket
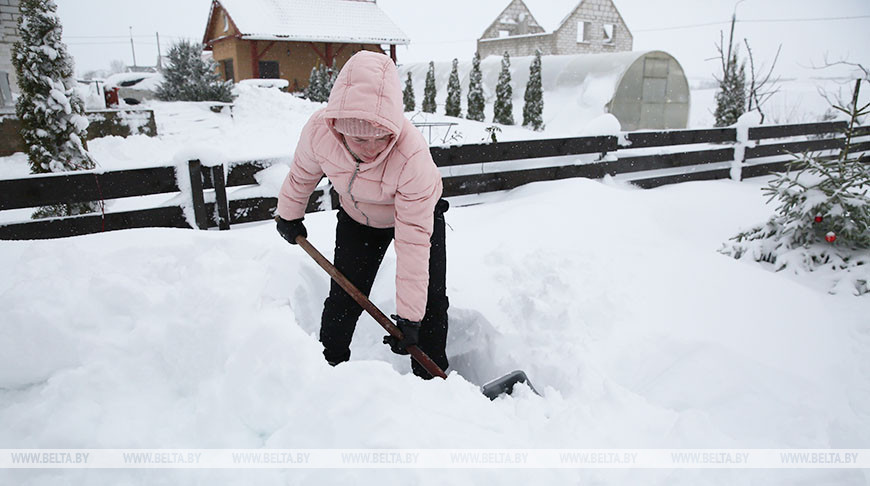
{"points": [[399, 189]]}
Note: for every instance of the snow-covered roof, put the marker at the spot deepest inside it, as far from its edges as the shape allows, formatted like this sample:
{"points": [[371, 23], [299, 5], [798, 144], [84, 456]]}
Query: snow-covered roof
{"points": [[356, 21]]}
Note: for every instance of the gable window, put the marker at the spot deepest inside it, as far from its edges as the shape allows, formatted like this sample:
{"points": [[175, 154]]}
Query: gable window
{"points": [[584, 31], [608, 33], [229, 73], [504, 33], [269, 70]]}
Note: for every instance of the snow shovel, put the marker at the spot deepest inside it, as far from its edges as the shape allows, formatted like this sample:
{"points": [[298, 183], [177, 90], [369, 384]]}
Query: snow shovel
{"points": [[493, 389]]}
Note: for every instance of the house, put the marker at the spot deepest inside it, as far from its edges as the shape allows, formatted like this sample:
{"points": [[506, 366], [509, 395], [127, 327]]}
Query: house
{"points": [[9, 15], [287, 38], [591, 26]]}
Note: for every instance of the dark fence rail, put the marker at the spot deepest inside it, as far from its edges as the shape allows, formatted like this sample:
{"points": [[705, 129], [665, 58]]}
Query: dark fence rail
{"points": [[713, 149], [782, 131], [505, 151], [678, 137]]}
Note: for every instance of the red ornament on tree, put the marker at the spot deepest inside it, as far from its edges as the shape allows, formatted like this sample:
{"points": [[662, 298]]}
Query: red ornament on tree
{"points": [[818, 219], [830, 237]]}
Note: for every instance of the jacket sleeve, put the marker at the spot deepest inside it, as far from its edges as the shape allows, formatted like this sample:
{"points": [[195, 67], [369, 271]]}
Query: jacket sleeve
{"points": [[418, 191], [305, 173]]}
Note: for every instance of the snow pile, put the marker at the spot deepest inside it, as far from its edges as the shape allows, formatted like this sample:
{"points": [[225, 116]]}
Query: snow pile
{"points": [[637, 333]]}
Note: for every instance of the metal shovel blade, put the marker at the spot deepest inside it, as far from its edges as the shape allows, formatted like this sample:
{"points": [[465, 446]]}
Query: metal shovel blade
{"points": [[505, 384]]}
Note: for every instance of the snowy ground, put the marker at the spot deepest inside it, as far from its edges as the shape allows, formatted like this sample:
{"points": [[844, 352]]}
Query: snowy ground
{"points": [[614, 300]]}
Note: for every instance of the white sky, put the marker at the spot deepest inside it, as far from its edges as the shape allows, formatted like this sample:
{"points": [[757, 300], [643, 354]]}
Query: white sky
{"points": [[97, 31]]}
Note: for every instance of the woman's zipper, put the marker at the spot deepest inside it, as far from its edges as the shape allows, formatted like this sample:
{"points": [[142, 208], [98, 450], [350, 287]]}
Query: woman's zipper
{"points": [[350, 186]]}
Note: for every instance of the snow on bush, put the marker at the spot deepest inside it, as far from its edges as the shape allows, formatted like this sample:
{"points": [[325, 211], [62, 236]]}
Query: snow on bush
{"points": [[823, 218]]}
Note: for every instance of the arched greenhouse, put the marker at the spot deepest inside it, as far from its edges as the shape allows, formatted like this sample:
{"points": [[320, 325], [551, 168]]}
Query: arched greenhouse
{"points": [[642, 89]]}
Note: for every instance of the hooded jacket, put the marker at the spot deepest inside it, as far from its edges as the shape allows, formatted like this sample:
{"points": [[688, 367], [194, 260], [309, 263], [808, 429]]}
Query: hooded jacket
{"points": [[398, 189]]}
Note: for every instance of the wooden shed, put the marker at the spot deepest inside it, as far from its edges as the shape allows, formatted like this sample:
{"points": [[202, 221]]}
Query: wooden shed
{"points": [[286, 38]]}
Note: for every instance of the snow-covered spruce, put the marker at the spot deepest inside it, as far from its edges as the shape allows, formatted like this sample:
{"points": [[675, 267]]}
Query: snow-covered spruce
{"points": [[429, 90], [731, 97], [453, 106], [823, 218], [408, 99], [534, 96], [54, 126], [53, 122], [315, 81], [329, 75], [504, 106], [476, 101], [189, 77]]}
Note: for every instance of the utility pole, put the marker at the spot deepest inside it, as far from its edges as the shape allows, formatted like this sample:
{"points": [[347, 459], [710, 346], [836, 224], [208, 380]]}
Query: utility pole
{"points": [[133, 48], [159, 56]]}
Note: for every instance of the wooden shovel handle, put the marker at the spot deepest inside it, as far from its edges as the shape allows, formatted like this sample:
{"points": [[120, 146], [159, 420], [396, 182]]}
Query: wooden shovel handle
{"points": [[385, 322]]}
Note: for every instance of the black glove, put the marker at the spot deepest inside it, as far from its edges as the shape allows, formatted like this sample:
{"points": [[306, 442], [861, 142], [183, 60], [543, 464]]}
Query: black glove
{"points": [[291, 229], [410, 335]]}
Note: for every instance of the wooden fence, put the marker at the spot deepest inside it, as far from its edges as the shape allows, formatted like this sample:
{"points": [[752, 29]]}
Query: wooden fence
{"points": [[682, 155]]}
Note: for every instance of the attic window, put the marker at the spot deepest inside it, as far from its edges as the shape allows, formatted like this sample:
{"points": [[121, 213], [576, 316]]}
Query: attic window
{"points": [[608, 33], [504, 33], [226, 22], [584, 31]]}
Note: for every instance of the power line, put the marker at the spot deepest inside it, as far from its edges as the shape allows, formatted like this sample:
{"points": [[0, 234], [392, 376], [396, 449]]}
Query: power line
{"points": [[114, 36], [101, 43], [725, 22]]}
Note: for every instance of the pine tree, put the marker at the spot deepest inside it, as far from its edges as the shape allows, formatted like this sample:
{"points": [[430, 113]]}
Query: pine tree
{"points": [[823, 218], [429, 90], [189, 77], [329, 75], [408, 95], [731, 97], [454, 92], [51, 113], [476, 101], [53, 124], [315, 82], [534, 96], [504, 106]]}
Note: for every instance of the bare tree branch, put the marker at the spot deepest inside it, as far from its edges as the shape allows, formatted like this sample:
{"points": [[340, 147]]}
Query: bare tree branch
{"points": [[758, 94]]}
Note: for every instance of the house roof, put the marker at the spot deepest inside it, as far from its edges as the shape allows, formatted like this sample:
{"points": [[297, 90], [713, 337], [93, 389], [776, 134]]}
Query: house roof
{"points": [[353, 21]]}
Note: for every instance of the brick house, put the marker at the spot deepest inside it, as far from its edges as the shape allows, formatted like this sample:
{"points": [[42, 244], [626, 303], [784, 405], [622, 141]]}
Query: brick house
{"points": [[9, 15], [590, 26], [286, 38]]}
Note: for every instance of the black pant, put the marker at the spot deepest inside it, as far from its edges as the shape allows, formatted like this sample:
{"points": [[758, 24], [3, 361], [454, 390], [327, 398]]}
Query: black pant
{"points": [[359, 250]]}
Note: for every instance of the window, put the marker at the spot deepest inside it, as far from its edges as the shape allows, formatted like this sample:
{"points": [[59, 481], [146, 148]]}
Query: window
{"points": [[5, 92], [504, 33], [229, 73], [584, 31], [269, 70], [608, 33], [655, 67]]}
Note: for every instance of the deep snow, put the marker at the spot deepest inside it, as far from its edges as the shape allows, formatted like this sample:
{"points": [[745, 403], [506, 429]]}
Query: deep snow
{"points": [[614, 300]]}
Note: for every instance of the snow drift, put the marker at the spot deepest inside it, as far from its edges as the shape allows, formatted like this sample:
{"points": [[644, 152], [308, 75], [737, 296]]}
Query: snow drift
{"points": [[637, 333]]}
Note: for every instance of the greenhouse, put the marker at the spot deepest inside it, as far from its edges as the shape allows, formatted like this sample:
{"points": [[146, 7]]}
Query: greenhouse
{"points": [[642, 89]]}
